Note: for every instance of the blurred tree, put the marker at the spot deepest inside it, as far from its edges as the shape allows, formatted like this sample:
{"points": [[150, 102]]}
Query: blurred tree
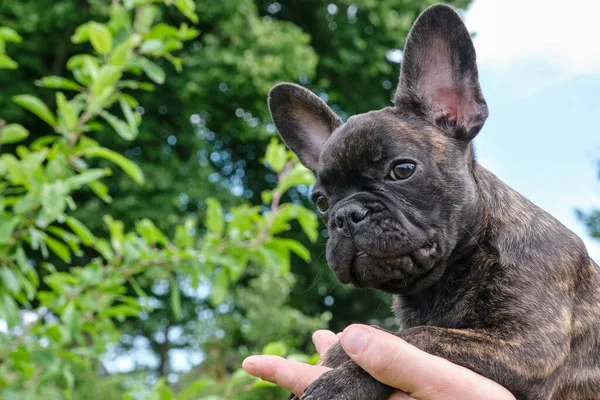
{"points": [[591, 219], [206, 129]]}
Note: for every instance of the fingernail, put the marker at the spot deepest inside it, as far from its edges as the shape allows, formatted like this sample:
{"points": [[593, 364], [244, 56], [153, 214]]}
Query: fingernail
{"points": [[355, 339], [250, 363]]}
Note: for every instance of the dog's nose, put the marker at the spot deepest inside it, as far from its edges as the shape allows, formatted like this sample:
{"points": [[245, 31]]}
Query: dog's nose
{"points": [[348, 216]]}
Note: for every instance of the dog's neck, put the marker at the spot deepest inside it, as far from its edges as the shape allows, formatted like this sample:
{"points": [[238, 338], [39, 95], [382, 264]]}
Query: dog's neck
{"points": [[449, 300], [504, 229]]}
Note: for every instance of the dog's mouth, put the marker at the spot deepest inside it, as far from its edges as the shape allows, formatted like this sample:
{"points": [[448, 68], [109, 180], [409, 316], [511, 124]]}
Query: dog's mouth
{"points": [[361, 254], [393, 272]]}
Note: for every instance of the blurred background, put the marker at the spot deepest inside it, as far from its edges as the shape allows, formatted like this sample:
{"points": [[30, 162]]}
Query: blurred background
{"points": [[212, 251]]}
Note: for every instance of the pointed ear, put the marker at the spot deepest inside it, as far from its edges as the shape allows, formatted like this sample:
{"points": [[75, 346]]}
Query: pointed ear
{"points": [[303, 120], [439, 78]]}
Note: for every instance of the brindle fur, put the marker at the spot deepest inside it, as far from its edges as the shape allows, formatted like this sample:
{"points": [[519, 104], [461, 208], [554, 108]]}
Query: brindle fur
{"points": [[480, 275]]}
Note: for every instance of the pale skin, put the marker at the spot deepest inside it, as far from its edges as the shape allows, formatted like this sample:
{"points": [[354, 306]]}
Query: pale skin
{"points": [[417, 375]]}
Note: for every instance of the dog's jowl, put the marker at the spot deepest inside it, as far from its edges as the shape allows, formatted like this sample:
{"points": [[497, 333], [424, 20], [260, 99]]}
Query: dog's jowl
{"points": [[480, 276]]}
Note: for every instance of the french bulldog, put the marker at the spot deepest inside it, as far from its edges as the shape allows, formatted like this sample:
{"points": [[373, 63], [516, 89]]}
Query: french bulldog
{"points": [[479, 275]]}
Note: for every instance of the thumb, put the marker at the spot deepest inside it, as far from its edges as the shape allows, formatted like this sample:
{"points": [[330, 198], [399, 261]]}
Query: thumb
{"points": [[396, 363]]}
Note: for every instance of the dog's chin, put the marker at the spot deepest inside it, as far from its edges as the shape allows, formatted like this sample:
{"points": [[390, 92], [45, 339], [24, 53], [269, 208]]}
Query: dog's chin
{"points": [[397, 274]]}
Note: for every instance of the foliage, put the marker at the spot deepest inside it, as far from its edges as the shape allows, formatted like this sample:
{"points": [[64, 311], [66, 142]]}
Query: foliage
{"points": [[204, 131], [60, 316]]}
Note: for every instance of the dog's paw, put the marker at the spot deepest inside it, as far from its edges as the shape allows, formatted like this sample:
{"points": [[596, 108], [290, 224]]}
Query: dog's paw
{"points": [[330, 386], [346, 383]]}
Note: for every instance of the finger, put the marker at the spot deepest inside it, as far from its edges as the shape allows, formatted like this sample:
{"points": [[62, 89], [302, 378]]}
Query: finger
{"points": [[290, 375], [323, 340], [396, 363], [398, 395]]}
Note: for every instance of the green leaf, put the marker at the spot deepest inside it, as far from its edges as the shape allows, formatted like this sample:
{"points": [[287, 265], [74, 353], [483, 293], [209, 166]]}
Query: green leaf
{"points": [[183, 239], [276, 155], [26, 203], [219, 288], [9, 278], [9, 310], [119, 17], [215, 220], [120, 126], [108, 76], [130, 100], [176, 61], [8, 223], [85, 177], [187, 8], [294, 246], [162, 31], [67, 112], [275, 349], [123, 52], [122, 311], [101, 190], [175, 300], [126, 165], [153, 71], [137, 288], [58, 82], [71, 240], [128, 113], [144, 17], [164, 393], [80, 230], [7, 63], [36, 106], [9, 35], [298, 175], [153, 47], [103, 247], [234, 262], [147, 87], [193, 390], [276, 257], [309, 223], [259, 384], [100, 37], [53, 200], [58, 248], [82, 34], [151, 234], [70, 318], [116, 233], [42, 142], [13, 133], [15, 171]]}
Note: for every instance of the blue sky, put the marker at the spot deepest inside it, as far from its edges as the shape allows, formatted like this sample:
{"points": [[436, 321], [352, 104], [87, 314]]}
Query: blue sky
{"points": [[540, 73]]}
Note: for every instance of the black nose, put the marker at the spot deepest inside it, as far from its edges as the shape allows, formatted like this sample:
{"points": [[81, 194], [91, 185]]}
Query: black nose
{"points": [[349, 216]]}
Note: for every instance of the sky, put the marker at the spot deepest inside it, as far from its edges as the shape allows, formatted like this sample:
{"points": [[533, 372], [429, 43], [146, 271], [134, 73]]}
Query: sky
{"points": [[539, 69]]}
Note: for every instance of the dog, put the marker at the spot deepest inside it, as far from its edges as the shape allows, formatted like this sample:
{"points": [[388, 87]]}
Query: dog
{"points": [[479, 275]]}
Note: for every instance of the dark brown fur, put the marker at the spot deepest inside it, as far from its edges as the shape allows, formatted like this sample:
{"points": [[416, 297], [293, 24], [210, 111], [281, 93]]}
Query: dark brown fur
{"points": [[480, 275]]}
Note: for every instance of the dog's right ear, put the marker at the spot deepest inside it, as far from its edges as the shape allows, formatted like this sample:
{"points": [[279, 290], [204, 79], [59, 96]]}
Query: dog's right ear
{"points": [[303, 120]]}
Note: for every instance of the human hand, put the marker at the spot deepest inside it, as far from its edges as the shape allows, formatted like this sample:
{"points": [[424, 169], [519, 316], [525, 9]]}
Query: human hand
{"points": [[390, 360]]}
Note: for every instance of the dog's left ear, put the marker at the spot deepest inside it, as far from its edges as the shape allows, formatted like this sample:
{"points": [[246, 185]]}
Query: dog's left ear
{"points": [[439, 79]]}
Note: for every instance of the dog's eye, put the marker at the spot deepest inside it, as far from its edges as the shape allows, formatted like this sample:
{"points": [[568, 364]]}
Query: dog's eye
{"points": [[403, 170], [322, 204]]}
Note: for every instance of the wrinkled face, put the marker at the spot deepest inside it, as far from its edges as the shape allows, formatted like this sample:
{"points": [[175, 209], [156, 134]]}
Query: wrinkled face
{"points": [[392, 193], [396, 185]]}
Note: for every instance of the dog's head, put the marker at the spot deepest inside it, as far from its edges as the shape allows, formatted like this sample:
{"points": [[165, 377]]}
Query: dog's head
{"points": [[396, 185]]}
